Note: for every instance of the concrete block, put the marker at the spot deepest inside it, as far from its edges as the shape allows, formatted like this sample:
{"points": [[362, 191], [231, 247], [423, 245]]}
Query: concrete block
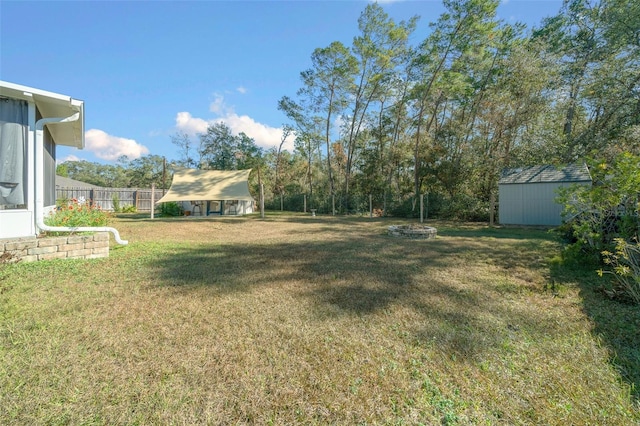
{"points": [[78, 253], [75, 239], [50, 256], [100, 250], [71, 247], [101, 236], [21, 245], [96, 244], [33, 258], [52, 241], [42, 250]]}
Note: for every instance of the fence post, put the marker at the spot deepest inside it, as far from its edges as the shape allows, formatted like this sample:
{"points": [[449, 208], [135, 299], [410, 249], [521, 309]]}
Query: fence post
{"points": [[281, 202], [153, 199], [421, 208], [426, 208], [262, 200], [333, 205], [370, 206], [305, 203], [492, 207]]}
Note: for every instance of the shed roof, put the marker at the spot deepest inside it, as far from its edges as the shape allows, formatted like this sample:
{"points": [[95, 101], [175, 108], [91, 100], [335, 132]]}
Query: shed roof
{"points": [[546, 174], [207, 185]]}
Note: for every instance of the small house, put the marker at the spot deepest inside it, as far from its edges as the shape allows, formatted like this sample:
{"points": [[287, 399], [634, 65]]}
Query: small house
{"points": [[527, 196]]}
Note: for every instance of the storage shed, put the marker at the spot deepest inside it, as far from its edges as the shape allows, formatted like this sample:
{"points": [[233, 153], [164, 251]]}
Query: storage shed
{"points": [[527, 196]]}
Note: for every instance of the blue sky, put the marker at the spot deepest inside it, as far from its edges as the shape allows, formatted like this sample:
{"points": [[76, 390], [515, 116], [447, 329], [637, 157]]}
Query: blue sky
{"points": [[148, 69]]}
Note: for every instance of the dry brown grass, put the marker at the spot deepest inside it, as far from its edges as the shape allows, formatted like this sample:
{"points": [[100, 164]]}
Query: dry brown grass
{"points": [[300, 320]]}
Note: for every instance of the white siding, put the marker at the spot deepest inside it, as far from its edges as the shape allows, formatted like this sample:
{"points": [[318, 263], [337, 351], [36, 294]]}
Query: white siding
{"points": [[16, 224]]}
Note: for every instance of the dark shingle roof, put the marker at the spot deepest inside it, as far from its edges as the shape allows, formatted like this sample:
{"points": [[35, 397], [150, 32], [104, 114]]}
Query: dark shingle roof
{"points": [[546, 174]]}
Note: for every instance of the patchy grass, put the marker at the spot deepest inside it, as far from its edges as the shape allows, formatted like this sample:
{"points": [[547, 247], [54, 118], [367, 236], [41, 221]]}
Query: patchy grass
{"points": [[300, 320]]}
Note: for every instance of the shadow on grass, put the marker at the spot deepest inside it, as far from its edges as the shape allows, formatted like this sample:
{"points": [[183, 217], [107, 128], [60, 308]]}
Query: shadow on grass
{"points": [[365, 273], [497, 232], [361, 271], [616, 323], [145, 218]]}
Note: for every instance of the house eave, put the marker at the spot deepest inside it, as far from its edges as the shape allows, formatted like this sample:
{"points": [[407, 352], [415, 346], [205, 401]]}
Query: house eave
{"points": [[52, 105]]}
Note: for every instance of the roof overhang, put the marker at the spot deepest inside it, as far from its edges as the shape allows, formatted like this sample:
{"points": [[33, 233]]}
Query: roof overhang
{"points": [[52, 105]]}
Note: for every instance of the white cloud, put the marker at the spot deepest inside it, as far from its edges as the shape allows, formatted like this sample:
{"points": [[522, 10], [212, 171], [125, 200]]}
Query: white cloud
{"points": [[264, 135], [110, 148], [190, 125], [242, 90], [69, 157], [218, 106]]}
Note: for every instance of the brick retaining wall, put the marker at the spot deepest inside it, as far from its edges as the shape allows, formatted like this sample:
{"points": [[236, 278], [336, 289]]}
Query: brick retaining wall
{"points": [[65, 247]]}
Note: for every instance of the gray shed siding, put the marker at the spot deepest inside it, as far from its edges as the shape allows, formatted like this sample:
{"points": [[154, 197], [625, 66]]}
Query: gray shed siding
{"points": [[527, 196], [530, 204]]}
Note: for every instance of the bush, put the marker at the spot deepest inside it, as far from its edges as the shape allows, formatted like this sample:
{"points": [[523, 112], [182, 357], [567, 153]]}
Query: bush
{"points": [[607, 210], [171, 209], [115, 201], [76, 213], [625, 264], [461, 207]]}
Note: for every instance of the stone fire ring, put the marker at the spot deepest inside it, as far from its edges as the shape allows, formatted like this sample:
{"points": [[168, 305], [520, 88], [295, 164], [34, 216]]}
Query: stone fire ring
{"points": [[412, 231]]}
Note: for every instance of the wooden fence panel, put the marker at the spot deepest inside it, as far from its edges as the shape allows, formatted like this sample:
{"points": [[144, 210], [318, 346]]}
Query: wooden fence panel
{"points": [[143, 199], [103, 197], [71, 193]]}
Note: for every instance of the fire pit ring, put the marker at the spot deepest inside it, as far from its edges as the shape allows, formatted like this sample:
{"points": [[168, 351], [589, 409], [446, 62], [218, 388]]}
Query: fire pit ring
{"points": [[412, 231]]}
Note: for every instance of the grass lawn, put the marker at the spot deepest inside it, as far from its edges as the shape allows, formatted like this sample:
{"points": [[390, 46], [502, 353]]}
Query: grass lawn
{"points": [[301, 320]]}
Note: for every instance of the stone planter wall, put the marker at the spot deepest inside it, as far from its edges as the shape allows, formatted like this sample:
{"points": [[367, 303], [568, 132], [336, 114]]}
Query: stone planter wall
{"points": [[412, 231], [64, 247]]}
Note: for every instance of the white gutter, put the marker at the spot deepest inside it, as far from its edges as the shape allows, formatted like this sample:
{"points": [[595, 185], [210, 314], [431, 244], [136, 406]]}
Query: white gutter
{"points": [[40, 185]]}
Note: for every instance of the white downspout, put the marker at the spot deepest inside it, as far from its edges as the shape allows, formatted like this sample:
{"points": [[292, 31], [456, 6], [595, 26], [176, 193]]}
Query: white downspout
{"points": [[39, 154]]}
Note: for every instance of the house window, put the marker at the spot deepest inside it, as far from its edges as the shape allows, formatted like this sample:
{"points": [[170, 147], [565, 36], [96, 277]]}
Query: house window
{"points": [[13, 153]]}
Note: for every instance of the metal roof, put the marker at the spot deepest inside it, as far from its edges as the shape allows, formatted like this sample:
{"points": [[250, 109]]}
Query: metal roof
{"points": [[546, 174]]}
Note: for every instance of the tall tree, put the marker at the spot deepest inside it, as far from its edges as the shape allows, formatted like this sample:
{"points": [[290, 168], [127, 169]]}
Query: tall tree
{"points": [[306, 130], [218, 148], [379, 49], [597, 46], [148, 170], [188, 151], [453, 68], [325, 87]]}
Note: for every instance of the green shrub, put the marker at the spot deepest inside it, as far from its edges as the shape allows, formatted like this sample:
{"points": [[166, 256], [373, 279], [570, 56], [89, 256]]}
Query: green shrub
{"points": [[625, 264], [76, 213], [115, 201], [171, 209], [129, 208], [608, 209]]}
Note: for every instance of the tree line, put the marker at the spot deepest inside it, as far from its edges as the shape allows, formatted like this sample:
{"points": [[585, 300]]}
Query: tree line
{"points": [[398, 117]]}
